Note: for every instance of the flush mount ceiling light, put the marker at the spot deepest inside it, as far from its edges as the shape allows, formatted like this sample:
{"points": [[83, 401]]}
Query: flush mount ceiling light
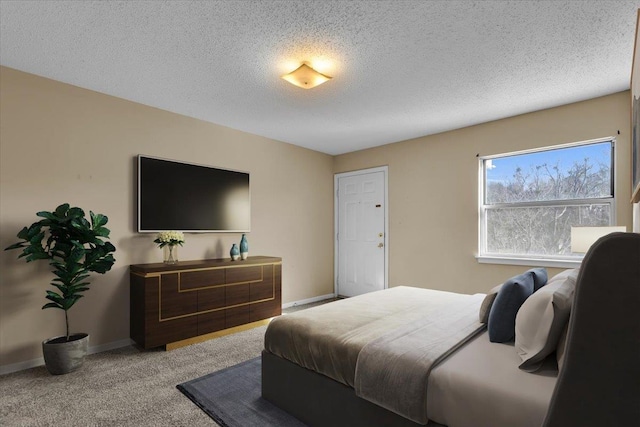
{"points": [[306, 77]]}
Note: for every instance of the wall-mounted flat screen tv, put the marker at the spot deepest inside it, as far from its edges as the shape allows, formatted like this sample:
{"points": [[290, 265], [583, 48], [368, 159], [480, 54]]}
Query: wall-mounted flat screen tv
{"points": [[193, 198]]}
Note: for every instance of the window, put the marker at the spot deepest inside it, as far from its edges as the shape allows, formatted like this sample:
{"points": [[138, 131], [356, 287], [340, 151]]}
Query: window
{"points": [[530, 200]]}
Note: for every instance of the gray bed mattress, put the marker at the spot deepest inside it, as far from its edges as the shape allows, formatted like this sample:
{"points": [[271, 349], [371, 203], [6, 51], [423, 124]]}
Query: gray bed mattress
{"points": [[480, 385]]}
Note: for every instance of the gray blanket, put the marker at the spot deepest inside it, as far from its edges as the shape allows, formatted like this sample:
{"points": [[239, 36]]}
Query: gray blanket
{"points": [[393, 370], [331, 339], [327, 339]]}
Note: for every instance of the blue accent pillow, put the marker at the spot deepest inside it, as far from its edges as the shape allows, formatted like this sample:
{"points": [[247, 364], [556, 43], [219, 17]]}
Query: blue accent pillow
{"points": [[539, 277], [502, 317]]}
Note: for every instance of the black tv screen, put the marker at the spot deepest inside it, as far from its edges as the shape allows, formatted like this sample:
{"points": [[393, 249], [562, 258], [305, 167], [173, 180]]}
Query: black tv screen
{"points": [[187, 197]]}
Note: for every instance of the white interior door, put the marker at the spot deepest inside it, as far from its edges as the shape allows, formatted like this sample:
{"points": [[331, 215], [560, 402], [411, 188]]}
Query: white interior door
{"points": [[361, 232]]}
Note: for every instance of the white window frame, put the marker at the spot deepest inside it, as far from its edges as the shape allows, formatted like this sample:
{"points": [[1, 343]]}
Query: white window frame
{"points": [[560, 261]]}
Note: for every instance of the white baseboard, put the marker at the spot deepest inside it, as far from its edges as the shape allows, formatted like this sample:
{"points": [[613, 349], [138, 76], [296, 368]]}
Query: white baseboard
{"points": [[21, 366], [308, 300], [110, 346]]}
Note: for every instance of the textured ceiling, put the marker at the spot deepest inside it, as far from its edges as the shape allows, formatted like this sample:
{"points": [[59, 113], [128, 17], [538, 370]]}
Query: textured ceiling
{"points": [[401, 69]]}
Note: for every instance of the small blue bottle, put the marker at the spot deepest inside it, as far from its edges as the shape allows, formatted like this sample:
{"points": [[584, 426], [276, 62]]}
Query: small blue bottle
{"points": [[234, 252]]}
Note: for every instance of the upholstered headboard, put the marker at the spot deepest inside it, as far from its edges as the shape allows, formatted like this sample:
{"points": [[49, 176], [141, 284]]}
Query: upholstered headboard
{"points": [[599, 384]]}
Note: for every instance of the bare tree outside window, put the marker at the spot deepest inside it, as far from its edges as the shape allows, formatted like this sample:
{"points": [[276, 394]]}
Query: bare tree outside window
{"points": [[532, 200]]}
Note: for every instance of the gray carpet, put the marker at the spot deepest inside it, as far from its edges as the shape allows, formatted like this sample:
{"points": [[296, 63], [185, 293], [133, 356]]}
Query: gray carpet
{"points": [[124, 387], [232, 398]]}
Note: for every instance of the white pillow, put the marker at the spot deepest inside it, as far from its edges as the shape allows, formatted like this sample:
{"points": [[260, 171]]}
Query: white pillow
{"points": [[541, 319]]}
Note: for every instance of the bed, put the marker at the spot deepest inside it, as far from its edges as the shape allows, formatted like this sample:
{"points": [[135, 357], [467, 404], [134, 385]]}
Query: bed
{"points": [[376, 360]]}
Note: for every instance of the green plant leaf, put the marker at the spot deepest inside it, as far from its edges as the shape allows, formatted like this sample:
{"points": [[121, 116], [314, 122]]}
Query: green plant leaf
{"points": [[75, 213], [80, 289], [52, 305], [98, 220], [103, 265], [61, 287], [62, 209], [76, 285], [23, 234], [15, 246], [102, 232], [79, 278], [68, 302], [37, 239], [36, 256], [33, 230], [63, 247], [47, 215], [51, 296]]}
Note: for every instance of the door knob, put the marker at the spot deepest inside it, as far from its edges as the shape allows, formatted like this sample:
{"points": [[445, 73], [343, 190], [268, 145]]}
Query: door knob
{"points": [[380, 245]]}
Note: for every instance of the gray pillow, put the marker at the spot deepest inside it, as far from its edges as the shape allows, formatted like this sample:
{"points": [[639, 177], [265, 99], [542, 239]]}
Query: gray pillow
{"points": [[502, 317], [539, 277], [487, 302], [541, 319]]}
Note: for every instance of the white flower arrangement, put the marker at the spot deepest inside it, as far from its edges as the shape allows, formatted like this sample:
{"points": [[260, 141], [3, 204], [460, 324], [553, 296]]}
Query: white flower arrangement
{"points": [[171, 238]]}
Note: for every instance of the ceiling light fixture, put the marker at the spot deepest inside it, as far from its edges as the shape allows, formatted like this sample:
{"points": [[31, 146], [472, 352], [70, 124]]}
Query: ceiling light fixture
{"points": [[306, 77]]}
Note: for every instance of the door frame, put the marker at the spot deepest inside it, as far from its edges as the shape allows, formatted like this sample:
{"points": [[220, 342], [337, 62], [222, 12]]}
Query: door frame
{"points": [[336, 228]]}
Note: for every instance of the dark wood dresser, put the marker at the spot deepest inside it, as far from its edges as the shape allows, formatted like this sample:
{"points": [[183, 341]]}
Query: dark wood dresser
{"points": [[192, 301]]}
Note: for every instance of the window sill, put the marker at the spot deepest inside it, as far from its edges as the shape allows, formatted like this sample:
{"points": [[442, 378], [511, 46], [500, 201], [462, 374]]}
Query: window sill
{"points": [[532, 262]]}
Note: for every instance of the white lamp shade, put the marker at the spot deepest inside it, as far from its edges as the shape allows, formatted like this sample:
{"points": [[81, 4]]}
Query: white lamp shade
{"points": [[583, 237]]}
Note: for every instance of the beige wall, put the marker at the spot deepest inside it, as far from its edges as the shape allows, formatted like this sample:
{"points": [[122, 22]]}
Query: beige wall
{"points": [[60, 143], [433, 188]]}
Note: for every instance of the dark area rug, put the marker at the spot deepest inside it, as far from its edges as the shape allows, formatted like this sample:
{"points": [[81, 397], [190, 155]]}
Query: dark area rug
{"points": [[232, 397]]}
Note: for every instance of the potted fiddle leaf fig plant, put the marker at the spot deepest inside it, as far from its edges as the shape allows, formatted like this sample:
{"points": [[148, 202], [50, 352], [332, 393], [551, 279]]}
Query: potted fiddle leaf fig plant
{"points": [[74, 247]]}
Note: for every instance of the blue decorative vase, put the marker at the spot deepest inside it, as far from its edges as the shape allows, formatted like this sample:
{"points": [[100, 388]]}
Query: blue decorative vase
{"points": [[244, 247], [234, 252]]}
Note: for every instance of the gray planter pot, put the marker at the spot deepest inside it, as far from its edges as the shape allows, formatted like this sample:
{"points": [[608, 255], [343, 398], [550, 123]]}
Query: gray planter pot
{"points": [[62, 356]]}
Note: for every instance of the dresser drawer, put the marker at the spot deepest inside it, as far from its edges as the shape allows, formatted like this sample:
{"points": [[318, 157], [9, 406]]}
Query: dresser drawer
{"points": [[244, 274], [211, 322], [211, 299], [172, 330], [261, 291], [202, 279], [174, 303], [237, 294], [237, 316]]}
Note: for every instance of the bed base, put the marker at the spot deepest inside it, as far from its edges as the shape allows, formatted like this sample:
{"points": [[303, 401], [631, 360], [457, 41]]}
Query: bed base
{"points": [[318, 400]]}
